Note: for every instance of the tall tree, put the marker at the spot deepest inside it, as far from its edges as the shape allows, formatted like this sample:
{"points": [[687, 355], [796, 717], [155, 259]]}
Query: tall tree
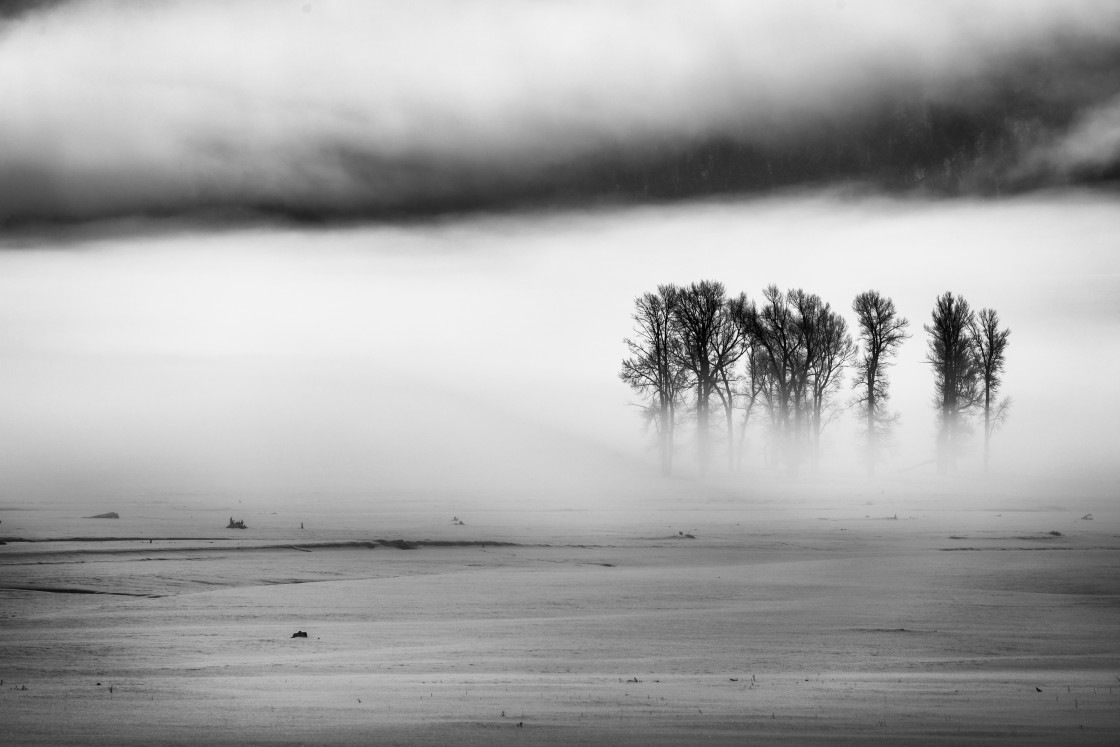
{"points": [[989, 350], [653, 368], [710, 343], [800, 348], [831, 351], [882, 330], [729, 347], [775, 338], [956, 375]]}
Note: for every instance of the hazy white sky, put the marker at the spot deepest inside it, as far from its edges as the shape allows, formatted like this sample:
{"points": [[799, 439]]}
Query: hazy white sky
{"points": [[425, 355], [162, 328]]}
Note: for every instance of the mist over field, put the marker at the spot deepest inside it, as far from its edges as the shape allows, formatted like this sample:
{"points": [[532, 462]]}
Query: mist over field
{"points": [[480, 353]]}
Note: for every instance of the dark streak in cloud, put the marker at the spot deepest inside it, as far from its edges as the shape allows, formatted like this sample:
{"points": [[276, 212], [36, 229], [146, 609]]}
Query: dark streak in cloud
{"points": [[227, 111], [11, 9]]}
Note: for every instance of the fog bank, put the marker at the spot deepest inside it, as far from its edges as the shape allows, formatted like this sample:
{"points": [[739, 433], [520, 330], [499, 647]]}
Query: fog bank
{"points": [[482, 354]]}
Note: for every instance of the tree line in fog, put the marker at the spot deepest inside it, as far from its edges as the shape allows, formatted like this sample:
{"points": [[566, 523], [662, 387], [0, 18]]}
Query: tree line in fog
{"points": [[699, 356]]}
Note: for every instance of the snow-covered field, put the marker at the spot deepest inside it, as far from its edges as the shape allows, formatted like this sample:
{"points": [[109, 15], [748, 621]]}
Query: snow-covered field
{"points": [[799, 613]]}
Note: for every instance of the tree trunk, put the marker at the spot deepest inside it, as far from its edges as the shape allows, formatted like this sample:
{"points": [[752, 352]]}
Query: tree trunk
{"points": [[871, 423], [816, 441], [987, 426], [944, 442], [798, 432], [666, 441], [672, 433], [730, 413], [701, 428], [742, 441]]}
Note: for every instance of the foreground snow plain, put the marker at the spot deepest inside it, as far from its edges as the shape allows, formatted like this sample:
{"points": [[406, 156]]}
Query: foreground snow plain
{"points": [[888, 614]]}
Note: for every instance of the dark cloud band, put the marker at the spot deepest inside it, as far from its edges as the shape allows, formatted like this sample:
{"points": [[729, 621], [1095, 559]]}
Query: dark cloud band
{"points": [[331, 110]]}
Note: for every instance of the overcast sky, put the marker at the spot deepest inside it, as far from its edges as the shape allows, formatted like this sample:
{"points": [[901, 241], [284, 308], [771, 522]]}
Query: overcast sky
{"points": [[355, 246], [313, 108]]}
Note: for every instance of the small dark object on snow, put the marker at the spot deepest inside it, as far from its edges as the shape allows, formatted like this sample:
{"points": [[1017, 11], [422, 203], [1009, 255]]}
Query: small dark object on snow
{"points": [[110, 515], [239, 524], [1039, 689], [299, 634], [1055, 534], [1087, 517]]}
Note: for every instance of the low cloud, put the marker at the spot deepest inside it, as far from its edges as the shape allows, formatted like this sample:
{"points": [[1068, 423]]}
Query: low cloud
{"points": [[324, 109], [1089, 151]]}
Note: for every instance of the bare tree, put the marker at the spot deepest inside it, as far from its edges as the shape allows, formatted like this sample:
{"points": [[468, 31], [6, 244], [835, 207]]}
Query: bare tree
{"points": [[799, 349], [989, 350], [830, 351], [710, 342], [729, 347], [956, 375], [805, 308], [653, 368], [777, 341], [881, 332]]}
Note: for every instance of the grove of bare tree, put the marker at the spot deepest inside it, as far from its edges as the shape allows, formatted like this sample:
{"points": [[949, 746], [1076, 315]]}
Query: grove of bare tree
{"points": [[955, 373], [786, 354], [799, 349]]}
